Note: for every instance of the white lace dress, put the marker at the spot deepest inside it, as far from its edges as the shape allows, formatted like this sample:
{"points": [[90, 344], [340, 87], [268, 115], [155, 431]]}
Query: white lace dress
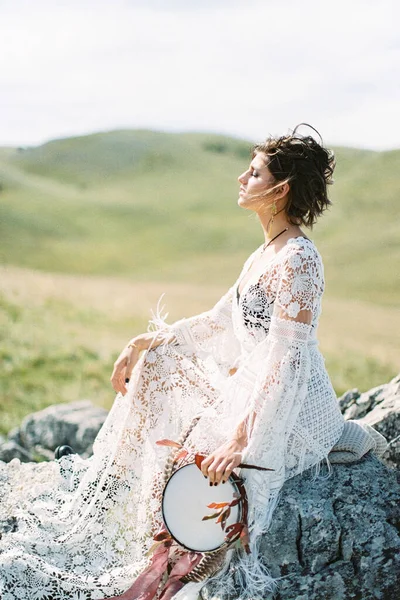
{"points": [[80, 529]]}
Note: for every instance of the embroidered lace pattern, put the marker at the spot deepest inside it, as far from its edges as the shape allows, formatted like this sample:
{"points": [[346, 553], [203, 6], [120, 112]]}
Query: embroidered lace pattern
{"points": [[83, 527]]}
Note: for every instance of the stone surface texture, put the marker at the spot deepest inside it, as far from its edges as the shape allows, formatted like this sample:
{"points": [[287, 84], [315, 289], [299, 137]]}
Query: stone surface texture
{"points": [[338, 538], [75, 424], [380, 408]]}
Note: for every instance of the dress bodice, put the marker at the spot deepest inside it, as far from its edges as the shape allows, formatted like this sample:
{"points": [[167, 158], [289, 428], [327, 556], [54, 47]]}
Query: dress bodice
{"points": [[252, 309]]}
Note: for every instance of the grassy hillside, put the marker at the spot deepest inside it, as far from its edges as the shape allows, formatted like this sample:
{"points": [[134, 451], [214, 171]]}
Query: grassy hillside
{"points": [[93, 229], [153, 206], [145, 222], [60, 335]]}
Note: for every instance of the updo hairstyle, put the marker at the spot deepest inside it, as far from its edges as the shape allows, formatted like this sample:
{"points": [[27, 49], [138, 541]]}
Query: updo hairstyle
{"points": [[307, 167]]}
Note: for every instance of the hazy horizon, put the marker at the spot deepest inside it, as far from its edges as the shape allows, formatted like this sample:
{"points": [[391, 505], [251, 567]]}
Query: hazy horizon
{"points": [[83, 134]]}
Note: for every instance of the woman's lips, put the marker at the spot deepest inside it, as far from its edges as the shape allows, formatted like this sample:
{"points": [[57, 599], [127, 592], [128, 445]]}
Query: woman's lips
{"points": [[241, 191]]}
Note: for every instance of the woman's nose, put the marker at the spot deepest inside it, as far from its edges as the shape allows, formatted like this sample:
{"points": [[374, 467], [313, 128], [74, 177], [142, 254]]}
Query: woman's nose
{"points": [[242, 178]]}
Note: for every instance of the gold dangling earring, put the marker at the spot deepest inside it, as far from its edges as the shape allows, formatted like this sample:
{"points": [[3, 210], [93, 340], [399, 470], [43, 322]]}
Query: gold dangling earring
{"points": [[273, 213]]}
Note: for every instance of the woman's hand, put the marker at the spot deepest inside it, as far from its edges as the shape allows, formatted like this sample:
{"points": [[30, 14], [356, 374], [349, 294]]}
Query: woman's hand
{"points": [[128, 358], [218, 465]]}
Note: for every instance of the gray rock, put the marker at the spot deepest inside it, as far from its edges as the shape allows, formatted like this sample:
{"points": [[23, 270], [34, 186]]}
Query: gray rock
{"points": [[75, 424], [385, 418], [347, 542], [348, 399], [8, 525], [380, 408], [330, 539], [14, 435], [356, 406], [10, 450], [338, 538], [39, 453]]}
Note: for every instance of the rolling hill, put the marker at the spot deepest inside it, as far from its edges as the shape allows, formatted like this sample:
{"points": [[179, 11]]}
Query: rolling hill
{"points": [[152, 205]]}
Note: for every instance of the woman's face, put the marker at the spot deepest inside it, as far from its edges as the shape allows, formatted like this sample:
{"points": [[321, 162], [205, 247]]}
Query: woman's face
{"points": [[254, 182]]}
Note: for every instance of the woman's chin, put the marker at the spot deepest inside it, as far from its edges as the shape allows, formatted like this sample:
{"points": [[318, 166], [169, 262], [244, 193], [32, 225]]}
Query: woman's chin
{"points": [[242, 202], [247, 204]]}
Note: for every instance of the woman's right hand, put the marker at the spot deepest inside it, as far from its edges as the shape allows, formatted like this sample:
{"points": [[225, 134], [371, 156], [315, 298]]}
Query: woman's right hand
{"points": [[128, 358]]}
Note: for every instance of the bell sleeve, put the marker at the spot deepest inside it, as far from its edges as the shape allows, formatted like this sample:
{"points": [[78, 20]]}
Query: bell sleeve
{"points": [[276, 373], [209, 333]]}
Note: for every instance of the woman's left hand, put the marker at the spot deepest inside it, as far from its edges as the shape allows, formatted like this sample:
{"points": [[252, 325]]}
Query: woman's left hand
{"points": [[218, 465]]}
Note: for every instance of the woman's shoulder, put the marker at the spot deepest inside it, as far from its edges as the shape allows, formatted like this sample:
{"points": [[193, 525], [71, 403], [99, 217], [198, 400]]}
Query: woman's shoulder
{"points": [[301, 241], [302, 245], [302, 257]]}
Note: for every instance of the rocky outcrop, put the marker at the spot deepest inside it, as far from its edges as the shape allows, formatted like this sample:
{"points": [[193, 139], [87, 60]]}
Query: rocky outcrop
{"points": [[75, 424], [345, 540], [10, 450], [380, 408], [331, 539], [337, 538]]}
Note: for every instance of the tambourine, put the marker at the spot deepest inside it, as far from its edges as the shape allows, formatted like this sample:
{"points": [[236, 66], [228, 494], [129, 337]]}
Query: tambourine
{"points": [[210, 521], [209, 514], [213, 517]]}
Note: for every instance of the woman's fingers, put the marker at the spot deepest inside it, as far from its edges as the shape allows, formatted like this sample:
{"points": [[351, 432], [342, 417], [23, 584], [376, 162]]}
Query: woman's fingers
{"points": [[118, 375], [121, 386], [117, 382], [128, 358], [123, 368], [131, 362], [228, 471], [220, 472], [218, 468], [115, 377], [214, 468], [211, 471], [205, 464]]}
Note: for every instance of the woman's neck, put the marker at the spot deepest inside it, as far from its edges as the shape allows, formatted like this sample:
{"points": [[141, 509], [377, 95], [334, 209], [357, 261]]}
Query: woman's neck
{"points": [[280, 222]]}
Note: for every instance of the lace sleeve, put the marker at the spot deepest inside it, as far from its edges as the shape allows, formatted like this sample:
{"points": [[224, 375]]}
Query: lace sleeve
{"points": [[208, 333], [277, 371]]}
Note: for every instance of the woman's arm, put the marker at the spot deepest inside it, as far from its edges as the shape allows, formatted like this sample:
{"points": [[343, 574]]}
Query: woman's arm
{"points": [[210, 332]]}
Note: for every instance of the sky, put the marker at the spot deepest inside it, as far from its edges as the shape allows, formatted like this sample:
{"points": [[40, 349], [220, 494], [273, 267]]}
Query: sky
{"points": [[246, 68]]}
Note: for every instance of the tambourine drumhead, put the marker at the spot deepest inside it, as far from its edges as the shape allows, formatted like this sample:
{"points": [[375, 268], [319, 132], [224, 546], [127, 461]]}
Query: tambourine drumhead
{"points": [[184, 504]]}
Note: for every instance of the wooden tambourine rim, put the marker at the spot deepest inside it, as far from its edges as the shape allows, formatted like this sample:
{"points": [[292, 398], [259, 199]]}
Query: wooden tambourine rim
{"points": [[233, 478]]}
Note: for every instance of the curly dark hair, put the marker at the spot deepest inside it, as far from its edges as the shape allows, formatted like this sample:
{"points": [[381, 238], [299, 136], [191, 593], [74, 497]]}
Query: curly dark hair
{"points": [[307, 166]]}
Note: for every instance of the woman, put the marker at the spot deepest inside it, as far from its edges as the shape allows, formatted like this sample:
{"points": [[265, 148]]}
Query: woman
{"points": [[249, 370]]}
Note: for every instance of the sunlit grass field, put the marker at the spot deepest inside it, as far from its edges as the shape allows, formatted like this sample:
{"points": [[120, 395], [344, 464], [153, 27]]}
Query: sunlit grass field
{"points": [[93, 230]]}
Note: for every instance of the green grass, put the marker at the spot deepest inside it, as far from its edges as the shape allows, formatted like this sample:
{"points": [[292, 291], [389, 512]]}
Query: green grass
{"points": [[353, 370], [60, 335], [49, 354], [159, 211]]}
